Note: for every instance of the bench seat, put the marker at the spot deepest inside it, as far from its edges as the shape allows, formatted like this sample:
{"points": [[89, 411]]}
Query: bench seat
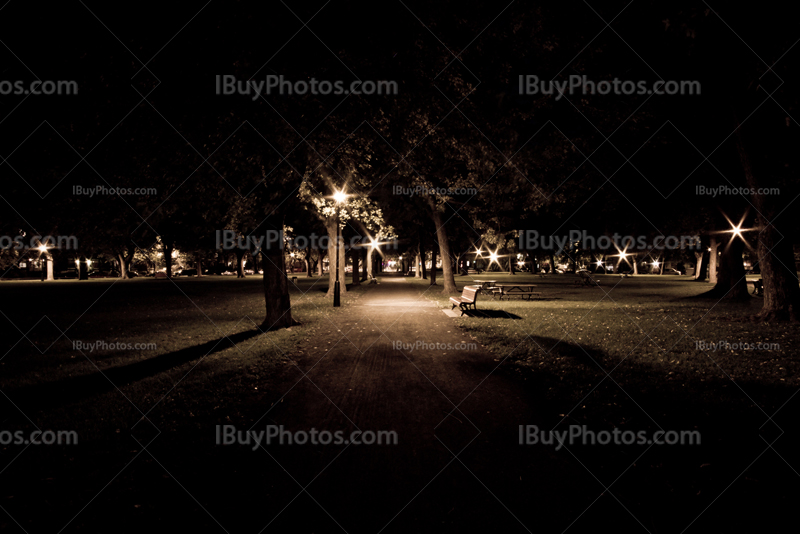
{"points": [[468, 297]]}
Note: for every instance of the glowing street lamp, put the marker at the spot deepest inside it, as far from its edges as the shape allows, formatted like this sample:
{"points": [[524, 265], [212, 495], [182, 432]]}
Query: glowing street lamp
{"points": [[493, 257]]}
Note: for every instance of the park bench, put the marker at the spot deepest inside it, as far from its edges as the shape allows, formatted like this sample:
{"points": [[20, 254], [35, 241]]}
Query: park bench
{"points": [[523, 291], [758, 287], [160, 274], [586, 279], [468, 297]]}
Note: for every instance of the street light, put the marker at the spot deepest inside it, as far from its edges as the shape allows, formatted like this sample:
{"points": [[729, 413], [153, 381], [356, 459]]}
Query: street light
{"points": [[339, 197]]}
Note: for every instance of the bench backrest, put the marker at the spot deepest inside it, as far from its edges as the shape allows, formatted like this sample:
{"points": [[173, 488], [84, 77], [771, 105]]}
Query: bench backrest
{"points": [[470, 293]]}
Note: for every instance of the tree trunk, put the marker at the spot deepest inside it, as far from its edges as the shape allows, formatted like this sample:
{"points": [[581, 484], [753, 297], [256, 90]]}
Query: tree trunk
{"points": [[364, 270], [417, 270], [712, 261], [166, 250], [240, 264], [698, 265], [123, 267], [355, 253], [775, 253], [433, 266], [449, 281], [552, 262], [320, 266], [50, 265], [731, 283]]}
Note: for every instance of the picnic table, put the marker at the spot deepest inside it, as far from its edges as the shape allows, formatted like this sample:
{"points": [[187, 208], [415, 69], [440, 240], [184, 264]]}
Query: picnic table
{"points": [[486, 284], [524, 291]]}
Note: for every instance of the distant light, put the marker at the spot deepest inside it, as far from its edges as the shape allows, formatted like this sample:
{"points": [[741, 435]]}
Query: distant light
{"points": [[599, 263], [656, 264], [42, 248], [737, 231], [339, 197], [493, 256], [478, 251], [89, 263], [623, 255]]}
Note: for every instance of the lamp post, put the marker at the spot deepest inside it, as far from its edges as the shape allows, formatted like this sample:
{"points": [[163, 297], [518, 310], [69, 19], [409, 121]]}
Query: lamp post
{"points": [[339, 197]]}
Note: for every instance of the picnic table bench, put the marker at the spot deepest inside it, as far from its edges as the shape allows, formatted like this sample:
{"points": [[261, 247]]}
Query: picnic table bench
{"points": [[586, 279], [758, 287], [524, 291], [468, 297]]}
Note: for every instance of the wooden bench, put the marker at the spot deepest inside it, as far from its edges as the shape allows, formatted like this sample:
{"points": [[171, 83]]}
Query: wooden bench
{"points": [[468, 297], [758, 287], [160, 274], [587, 279], [523, 291]]}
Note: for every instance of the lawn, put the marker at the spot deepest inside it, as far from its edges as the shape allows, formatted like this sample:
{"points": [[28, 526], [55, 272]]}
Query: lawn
{"points": [[180, 387], [622, 355], [629, 355]]}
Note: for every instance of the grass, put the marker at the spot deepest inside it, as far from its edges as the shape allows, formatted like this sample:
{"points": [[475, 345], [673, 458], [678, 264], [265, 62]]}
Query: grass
{"points": [[625, 355], [619, 356], [118, 401], [184, 324]]}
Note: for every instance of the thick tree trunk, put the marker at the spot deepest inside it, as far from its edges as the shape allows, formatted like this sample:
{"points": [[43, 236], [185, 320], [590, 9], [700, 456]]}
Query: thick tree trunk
{"points": [[364, 270], [775, 253], [511, 264], [417, 270], [320, 265], [635, 266], [449, 281], [433, 266], [50, 275], [712, 261], [166, 250], [240, 264], [123, 267], [355, 253], [731, 283], [369, 263], [277, 303], [698, 265]]}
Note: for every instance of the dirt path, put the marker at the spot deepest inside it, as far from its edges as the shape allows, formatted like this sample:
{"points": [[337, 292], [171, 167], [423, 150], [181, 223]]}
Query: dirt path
{"points": [[441, 401]]}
